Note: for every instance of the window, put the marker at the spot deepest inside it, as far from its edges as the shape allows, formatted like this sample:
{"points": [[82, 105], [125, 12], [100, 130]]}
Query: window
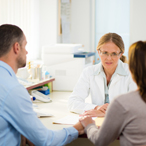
{"points": [[25, 14], [112, 16]]}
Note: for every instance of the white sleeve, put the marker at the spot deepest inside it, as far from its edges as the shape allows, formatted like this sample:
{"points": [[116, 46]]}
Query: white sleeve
{"points": [[76, 102]]}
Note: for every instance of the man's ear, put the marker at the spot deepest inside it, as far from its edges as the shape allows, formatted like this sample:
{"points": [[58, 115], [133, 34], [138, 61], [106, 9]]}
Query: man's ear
{"points": [[16, 48]]}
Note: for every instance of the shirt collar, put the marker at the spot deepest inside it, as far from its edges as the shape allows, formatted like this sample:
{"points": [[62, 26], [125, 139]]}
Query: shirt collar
{"points": [[7, 67], [119, 70]]}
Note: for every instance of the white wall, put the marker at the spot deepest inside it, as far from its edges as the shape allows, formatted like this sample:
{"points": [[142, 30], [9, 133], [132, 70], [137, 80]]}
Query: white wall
{"points": [[82, 23], [25, 14], [39, 21], [48, 22], [112, 16], [137, 20], [82, 27], [33, 36]]}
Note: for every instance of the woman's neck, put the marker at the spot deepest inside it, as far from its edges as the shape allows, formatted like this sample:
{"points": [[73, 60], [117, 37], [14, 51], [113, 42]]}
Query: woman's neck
{"points": [[109, 74]]}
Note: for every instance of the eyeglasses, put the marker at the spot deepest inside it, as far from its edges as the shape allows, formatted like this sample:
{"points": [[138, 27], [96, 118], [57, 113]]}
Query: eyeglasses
{"points": [[106, 54]]}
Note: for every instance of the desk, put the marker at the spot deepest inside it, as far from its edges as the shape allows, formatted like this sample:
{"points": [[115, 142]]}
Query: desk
{"points": [[58, 107]]}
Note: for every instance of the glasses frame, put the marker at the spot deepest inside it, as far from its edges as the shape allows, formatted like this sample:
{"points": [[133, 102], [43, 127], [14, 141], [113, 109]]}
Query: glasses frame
{"points": [[111, 54]]}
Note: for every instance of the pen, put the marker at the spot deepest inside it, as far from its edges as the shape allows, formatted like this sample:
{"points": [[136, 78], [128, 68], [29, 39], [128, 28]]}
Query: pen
{"points": [[32, 98]]}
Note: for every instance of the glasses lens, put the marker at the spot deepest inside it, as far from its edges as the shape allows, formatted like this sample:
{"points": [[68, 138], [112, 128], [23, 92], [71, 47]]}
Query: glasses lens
{"points": [[106, 54]]}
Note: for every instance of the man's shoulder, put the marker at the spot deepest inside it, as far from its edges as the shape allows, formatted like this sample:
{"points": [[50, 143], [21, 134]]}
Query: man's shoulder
{"points": [[8, 81]]}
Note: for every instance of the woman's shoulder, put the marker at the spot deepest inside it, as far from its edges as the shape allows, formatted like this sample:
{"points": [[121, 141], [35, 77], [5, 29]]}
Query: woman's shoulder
{"points": [[92, 68], [124, 67], [130, 97]]}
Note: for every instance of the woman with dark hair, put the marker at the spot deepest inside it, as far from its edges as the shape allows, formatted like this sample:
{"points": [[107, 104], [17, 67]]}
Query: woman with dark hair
{"points": [[105, 80], [126, 116]]}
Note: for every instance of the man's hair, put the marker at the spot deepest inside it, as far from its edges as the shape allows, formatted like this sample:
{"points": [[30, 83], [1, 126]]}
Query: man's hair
{"points": [[9, 34], [137, 66]]}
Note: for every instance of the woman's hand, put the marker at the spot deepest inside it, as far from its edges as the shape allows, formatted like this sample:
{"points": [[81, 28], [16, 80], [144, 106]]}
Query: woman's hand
{"points": [[86, 120], [102, 108], [93, 113], [98, 111]]}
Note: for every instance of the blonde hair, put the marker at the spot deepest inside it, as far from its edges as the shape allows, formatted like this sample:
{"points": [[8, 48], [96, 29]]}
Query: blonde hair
{"points": [[116, 39]]}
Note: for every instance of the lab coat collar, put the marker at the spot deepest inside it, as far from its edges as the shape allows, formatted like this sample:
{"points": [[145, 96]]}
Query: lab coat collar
{"points": [[99, 69], [119, 70]]}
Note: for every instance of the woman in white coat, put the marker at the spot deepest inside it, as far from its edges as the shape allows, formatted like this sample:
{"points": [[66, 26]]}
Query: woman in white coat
{"points": [[104, 81], [126, 116]]}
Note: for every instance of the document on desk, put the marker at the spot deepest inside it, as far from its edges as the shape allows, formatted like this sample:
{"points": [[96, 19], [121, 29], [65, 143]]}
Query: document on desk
{"points": [[42, 113], [68, 120], [73, 119]]}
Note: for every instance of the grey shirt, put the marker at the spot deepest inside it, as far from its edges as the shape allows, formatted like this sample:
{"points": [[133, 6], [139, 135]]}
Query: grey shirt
{"points": [[125, 118]]}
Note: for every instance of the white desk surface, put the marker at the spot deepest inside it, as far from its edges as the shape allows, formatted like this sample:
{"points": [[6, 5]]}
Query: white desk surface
{"points": [[58, 107]]}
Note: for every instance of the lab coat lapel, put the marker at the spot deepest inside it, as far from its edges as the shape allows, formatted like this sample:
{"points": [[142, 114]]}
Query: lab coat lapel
{"points": [[115, 79], [100, 83], [120, 72]]}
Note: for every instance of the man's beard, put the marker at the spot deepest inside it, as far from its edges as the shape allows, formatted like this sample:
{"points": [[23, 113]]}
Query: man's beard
{"points": [[21, 62]]}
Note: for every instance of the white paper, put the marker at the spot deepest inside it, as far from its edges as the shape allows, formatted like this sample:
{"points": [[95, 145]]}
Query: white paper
{"points": [[68, 120], [42, 112]]}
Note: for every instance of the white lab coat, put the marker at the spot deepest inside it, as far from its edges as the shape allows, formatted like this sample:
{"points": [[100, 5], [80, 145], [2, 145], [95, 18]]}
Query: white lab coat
{"points": [[92, 82]]}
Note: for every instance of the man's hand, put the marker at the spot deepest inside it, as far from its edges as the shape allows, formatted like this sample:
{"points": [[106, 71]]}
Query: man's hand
{"points": [[93, 113], [79, 127], [86, 120], [25, 141]]}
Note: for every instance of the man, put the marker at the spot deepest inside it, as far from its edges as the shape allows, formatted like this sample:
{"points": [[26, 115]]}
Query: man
{"points": [[16, 114]]}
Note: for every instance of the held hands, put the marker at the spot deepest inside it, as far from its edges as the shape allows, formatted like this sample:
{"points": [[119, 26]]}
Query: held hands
{"points": [[86, 120], [78, 126], [83, 122]]}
